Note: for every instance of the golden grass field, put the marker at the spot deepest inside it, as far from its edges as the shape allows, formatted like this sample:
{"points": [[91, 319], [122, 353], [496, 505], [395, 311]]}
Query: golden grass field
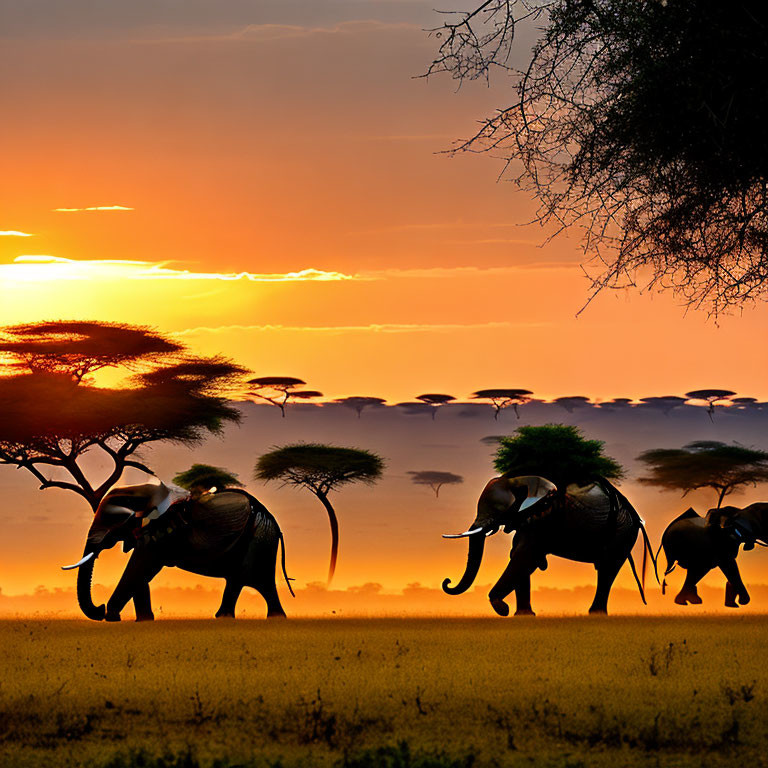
{"points": [[614, 691]]}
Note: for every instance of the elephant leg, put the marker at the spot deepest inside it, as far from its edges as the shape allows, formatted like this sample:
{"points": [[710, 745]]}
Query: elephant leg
{"points": [[523, 561], [689, 593], [730, 595], [142, 567], [232, 591], [731, 571], [606, 574], [268, 591], [523, 597], [142, 602]]}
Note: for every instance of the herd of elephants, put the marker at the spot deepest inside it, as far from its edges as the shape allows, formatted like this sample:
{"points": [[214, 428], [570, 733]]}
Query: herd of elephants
{"points": [[227, 533]]}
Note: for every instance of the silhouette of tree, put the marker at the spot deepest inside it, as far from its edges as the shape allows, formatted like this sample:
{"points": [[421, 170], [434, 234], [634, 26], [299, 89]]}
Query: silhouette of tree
{"points": [[359, 404], [705, 464], [571, 403], [200, 478], [664, 403], [617, 403], [321, 469], [53, 416], [558, 452], [278, 390], [435, 401], [434, 479], [502, 398], [641, 121], [712, 397]]}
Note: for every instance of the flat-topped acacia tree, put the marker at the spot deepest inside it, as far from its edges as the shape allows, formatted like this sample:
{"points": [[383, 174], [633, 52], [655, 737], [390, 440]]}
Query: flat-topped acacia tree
{"points": [[435, 401], [502, 398], [435, 479], [320, 469], [278, 390], [54, 416], [711, 397], [359, 403]]}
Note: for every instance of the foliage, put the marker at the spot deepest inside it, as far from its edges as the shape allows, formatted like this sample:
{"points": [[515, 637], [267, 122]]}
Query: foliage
{"points": [[359, 404], [321, 468], [641, 121], [558, 452], [206, 476], [705, 464], [435, 400], [435, 479], [54, 414]]}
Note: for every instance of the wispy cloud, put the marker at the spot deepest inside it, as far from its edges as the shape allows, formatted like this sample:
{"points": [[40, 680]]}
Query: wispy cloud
{"points": [[95, 208], [370, 328], [14, 233], [32, 267], [468, 272]]}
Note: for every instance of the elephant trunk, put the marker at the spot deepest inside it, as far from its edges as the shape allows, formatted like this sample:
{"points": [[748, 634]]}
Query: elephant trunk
{"points": [[474, 558], [84, 600]]}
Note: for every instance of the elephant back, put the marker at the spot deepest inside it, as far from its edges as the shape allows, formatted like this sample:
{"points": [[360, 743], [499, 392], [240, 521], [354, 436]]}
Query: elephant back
{"points": [[216, 522], [594, 510]]}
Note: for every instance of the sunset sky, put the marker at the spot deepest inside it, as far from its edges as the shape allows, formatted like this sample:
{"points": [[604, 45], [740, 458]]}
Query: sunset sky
{"points": [[267, 179]]}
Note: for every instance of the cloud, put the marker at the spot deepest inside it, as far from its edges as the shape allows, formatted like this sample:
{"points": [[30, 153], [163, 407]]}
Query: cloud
{"points": [[43, 267], [464, 272], [14, 233], [95, 208], [371, 328]]}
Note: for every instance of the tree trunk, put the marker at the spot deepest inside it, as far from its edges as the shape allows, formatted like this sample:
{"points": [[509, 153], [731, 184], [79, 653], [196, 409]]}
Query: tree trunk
{"points": [[334, 533]]}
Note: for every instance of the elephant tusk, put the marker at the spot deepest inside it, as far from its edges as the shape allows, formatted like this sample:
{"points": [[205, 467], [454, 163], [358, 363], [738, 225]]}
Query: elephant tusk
{"points": [[80, 562], [462, 535]]}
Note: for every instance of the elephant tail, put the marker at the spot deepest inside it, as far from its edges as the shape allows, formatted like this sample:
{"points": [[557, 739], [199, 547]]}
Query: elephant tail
{"points": [[648, 552], [637, 578], [288, 579]]}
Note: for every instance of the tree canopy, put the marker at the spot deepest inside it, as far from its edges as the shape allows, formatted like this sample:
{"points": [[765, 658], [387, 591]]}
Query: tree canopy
{"points": [[558, 452], [435, 479], [359, 403], [640, 121], [205, 476], [53, 414], [321, 469], [705, 464], [502, 398], [278, 390]]}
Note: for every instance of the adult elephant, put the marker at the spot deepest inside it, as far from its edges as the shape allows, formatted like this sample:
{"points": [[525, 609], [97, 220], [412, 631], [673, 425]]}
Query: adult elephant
{"points": [[227, 534], [591, 523], [700, 544]]}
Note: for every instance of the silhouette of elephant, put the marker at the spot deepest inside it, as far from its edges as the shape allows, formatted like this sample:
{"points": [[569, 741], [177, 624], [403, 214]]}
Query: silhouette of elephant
{"points": [[226, 534], [591, 523], [700, 544]]}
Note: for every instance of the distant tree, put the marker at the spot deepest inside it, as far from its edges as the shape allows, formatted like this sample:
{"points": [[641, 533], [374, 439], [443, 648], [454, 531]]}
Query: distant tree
{"points": [[502, 398], [712, 397], [321, 469], [571, 403], [278, 390], [434, 401], [434, 479], [616, 403], [200, 478], [54, 417], [359, 404], [558, 452], [741, 404], [664, 403], [415, 409], [705, 464], [642, 123]]}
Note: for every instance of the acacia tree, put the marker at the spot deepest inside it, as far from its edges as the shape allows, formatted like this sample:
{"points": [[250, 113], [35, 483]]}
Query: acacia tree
{"points": [[712, 397], [559, 452], [54, 415], [278, 390], [641, 121], [705, 464], [359, 404], [572, 402], [502, 398], [435, 401], [321, 469], [200, 478], [435, 479], [665, 403]]}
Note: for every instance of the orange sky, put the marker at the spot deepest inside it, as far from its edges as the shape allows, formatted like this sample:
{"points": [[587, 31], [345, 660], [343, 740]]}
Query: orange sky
{"points": [[271, 186]]}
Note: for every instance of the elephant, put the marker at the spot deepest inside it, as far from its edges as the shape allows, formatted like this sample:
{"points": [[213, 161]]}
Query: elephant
{"points": [[591, 523], [700, 544], [224, 533]]}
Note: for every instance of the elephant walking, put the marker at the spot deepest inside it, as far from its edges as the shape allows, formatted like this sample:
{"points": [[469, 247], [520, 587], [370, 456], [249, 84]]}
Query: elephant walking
{"points": [[227, 534], [700, 544], [592, 523]]}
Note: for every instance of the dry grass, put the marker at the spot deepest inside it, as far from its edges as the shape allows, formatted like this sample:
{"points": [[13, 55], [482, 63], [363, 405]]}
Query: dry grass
{"points": [[549, 692]]}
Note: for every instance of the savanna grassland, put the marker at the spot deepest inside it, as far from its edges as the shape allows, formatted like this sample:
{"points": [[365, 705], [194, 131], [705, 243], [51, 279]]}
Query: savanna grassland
{"points": [[614, 691]]}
